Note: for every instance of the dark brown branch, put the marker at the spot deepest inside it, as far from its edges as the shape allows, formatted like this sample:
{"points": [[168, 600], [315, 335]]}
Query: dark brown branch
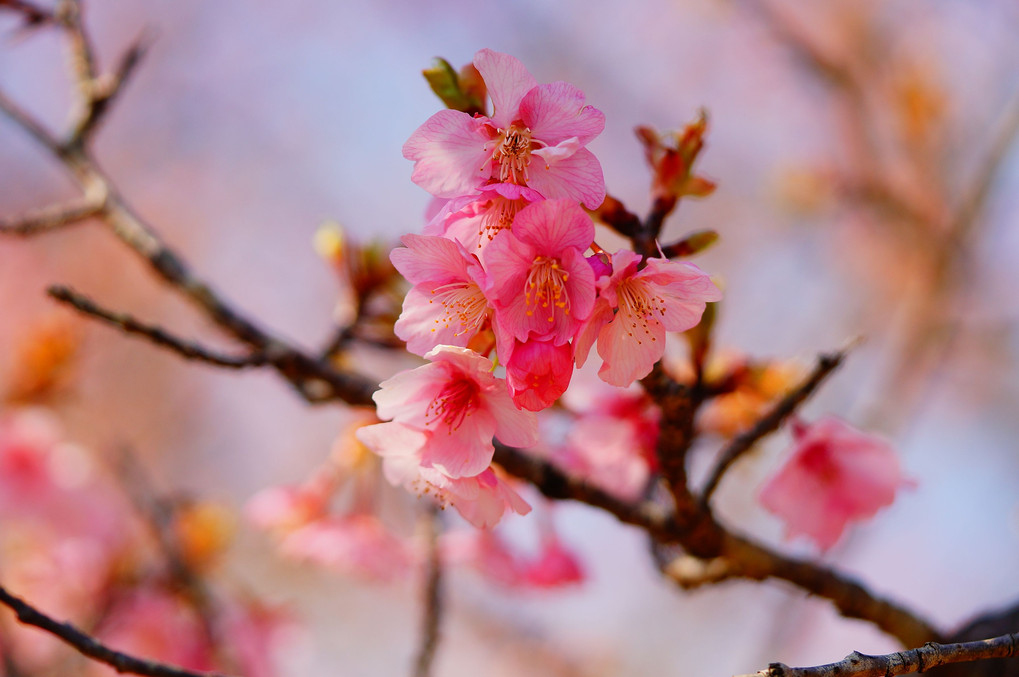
{"points": [[432, 616], [91, 647], [770, 422], [928, 656], [557, 485], [741, 557], [189, 350], [52, 217]]}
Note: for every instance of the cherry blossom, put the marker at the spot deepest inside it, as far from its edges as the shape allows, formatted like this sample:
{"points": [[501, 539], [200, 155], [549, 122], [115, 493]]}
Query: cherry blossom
{"points": [[836, 475], [446, 305], [482, 499], [359, 544], [553, 566], [636, 306], [448, 412], [540, 282], [535, 137], [538, 372], [475, 220]]}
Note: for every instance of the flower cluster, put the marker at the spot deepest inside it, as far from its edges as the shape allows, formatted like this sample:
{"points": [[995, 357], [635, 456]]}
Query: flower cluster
{"points": [[507, 268]]}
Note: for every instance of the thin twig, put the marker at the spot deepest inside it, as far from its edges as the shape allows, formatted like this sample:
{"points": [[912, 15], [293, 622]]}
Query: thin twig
{"points": [[34, 15], [928, 656], [90, 646], [770, 422], [972, 204], [105, 91], [553, 483], [432, 616], [52, 217], [160, 515], [189, 350], [23, 119]]}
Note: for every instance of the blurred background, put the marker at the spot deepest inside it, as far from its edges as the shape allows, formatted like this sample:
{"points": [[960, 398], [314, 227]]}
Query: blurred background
{"points": [[868, 186]]}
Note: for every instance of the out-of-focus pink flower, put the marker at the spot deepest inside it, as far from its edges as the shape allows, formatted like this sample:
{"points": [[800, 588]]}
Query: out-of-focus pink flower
{"points": [[538, 372], [446, 304], [540, 282], [154, 624], [636, 308], [535, 137], [604, 451], [445, 414], [554, 565], [284, 508], [836, 475], [358, 544], [256, 636], [52, 483]]}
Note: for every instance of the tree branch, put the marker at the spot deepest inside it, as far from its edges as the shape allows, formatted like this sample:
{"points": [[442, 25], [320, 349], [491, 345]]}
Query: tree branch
{"points": [[770, 422], [52, 217], [189, 350], [432, 615], [91, 647], [850, 597], [928, 656]]}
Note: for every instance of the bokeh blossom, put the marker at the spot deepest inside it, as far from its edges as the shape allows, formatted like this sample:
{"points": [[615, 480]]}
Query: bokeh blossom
{"points": [[835, 475]]}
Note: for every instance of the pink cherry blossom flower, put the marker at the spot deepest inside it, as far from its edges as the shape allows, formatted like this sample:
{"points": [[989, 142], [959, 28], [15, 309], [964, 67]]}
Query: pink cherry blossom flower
{"points": [[482, 499], [258, 636], [636, 307], [447, 413], [535, 137], [541, 284], [492, 556], [555, 565], [538, 372], [836, 475], [475, 220], [602, 450], [446, 306]]}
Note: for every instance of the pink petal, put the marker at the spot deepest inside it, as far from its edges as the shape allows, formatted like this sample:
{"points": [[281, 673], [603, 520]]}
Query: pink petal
{"points": [[404, 396], [507, 80], [428, 257], [580, 286], [552, 226], [451, 154], [629, 351], [556, 111], [422, 325], [577, 177], [475, 366], [464, 451], [539, 373], [398, 445], [600, 316]]}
